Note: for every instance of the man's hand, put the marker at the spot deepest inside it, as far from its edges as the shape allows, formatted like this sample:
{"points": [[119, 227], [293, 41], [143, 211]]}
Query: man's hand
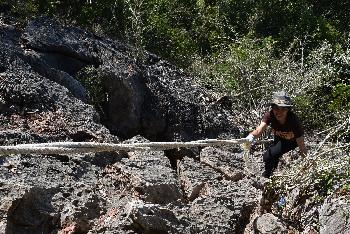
{"points": [[250, 140]]}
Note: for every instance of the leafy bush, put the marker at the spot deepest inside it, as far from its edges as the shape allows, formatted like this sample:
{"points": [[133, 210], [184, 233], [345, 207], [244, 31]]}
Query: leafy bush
{"points": [[341, 98], [249, 71], [22, 10]]}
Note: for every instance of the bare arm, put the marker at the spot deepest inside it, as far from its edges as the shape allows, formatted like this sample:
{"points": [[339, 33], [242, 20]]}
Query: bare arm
{"points": [[259, 130], [301, 145]]}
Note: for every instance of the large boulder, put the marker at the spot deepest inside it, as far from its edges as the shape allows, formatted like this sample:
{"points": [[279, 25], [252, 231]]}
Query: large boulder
{"points": [[153, 99], [334, 215], [224, 206], [32, 104], [151, 178], [43, 194]]}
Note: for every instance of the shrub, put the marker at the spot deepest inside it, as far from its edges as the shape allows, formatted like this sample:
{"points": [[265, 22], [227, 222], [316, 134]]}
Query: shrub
{"points": [[92, 79], [249, 71]]}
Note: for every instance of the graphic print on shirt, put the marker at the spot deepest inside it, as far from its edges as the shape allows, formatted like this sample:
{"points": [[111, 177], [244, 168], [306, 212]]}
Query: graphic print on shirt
{"points": [[283, 135]]}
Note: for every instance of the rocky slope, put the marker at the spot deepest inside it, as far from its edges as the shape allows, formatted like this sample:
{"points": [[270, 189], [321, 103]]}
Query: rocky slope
{"points": [[50, 75]]}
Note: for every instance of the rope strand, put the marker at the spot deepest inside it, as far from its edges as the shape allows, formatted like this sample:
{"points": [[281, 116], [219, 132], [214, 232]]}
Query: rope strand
{"points": [[94, 147]]}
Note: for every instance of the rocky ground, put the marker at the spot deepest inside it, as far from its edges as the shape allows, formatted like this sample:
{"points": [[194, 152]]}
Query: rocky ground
{"points": [[60, 83]]}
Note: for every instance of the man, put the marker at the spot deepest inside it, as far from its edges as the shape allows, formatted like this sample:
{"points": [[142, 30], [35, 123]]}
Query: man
{"points": [[288, 132]]}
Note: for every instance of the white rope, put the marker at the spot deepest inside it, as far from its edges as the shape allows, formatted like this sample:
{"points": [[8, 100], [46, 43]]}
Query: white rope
{"points": [[94, 147]]}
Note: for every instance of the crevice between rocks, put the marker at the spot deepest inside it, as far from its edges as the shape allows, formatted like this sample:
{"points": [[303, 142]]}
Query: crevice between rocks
{"points": [[178, 154]]}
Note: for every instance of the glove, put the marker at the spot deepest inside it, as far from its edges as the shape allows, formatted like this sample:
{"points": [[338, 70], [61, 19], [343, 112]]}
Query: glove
{"points": [[250, 140]]}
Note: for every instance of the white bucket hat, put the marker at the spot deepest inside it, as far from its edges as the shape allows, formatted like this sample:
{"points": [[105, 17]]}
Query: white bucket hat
{"points": [[281, 98]]}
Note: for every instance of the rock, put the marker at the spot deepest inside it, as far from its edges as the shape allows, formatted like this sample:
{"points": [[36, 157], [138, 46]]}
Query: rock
{"points": [[230, 164], [59, 191], [39, 63], [151, 177], [36, 105], [194, 176], [213, 217], [225, 207], [46, 35], [334, 215], [32, 212], [268, 223], [154, 99], [9, 34], [137, 216], [152, 218]]}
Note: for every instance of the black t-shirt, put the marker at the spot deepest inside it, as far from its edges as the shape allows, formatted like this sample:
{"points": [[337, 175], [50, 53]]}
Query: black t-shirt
{"points": [[290, 130]]}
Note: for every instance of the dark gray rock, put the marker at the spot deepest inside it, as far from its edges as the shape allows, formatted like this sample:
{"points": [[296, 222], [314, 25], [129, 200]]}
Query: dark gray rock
{"points": [[137, 216], [193, 177], [334, 216], [152, 218], [150, 174], [35, 105], [225, 207], [31, 212], [230, 164], [151, 177], [46, 35], [9, 33], [154, 99], [42, 64], [42, 194], [268, 223]]}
